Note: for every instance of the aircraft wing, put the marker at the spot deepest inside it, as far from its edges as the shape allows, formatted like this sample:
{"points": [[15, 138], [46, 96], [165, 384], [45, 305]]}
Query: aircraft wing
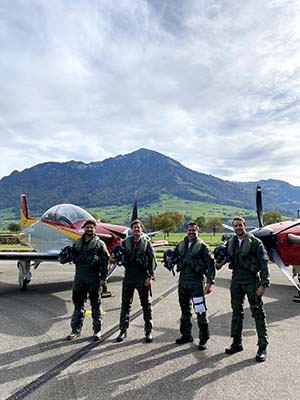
{"points": [[230, 228], [29, 256], [158, 243]]}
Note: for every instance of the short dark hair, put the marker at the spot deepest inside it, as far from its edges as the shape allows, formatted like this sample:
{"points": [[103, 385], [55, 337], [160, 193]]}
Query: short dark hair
{"points": [[237, 218], [136, 221], [89, 222], [193, 223]]}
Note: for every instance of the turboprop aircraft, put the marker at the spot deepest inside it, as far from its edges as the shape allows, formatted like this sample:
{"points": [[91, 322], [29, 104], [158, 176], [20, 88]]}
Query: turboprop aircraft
{"points": [[59, 226], [282, 242]]}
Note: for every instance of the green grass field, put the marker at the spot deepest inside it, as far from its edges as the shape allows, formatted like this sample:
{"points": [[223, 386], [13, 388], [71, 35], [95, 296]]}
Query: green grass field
{"points": [[173, 238]]}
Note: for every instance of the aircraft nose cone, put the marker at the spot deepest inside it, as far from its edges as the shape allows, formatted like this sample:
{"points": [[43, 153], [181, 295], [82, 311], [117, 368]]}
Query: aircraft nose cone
{"points": [[267, 236]]}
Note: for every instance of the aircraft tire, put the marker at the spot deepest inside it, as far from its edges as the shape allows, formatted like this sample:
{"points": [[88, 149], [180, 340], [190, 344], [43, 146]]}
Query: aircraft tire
{"points": [[296, 299], [24, 284]]}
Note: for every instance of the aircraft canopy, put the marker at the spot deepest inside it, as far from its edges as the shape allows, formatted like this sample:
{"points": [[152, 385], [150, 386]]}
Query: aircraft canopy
{"points": [[66, 214]]}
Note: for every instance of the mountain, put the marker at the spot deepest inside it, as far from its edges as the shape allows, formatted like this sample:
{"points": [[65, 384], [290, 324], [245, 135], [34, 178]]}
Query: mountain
{"points": [[114, 181], [277, 194]]}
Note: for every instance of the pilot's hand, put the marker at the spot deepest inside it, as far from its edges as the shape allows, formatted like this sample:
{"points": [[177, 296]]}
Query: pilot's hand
{"points": [[260, 291], [112, 260], [148, 281], [103, 284], [208, 288]]}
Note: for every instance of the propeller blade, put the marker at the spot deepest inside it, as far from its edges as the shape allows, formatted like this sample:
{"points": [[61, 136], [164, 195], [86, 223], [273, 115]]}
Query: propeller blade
{"points": [[277, 259], [134, 214], [116, 233], [259, 208]]}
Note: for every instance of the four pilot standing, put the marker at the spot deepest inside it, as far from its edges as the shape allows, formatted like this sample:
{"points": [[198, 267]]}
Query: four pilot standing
{"points": [[248, 261]]}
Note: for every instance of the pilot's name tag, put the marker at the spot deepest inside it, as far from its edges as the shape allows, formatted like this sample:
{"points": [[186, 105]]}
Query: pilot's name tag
{"points": [[199, 304]]}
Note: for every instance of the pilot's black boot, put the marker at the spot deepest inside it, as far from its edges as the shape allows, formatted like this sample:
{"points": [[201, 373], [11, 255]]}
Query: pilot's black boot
{"points": [[97, 336], [235, 347], [261, 354], [121, 337], [74, 335], [202, 345], [148, 337], [184, 339]]}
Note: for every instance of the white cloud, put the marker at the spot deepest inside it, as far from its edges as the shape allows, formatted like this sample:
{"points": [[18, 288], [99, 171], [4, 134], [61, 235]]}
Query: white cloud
{"points": [[212, 84]]}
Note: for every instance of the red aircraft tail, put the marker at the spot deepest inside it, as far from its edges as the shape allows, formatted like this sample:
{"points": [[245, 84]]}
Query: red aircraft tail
{"points": [[26, 220]]}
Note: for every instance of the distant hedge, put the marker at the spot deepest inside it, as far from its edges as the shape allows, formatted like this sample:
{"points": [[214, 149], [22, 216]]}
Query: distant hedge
{"points": [[10, 240]]}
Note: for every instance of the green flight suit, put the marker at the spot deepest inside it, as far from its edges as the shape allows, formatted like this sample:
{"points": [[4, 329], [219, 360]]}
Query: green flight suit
{"points": [[249, 264], [91, 265], [194, 263], [139, 263]]}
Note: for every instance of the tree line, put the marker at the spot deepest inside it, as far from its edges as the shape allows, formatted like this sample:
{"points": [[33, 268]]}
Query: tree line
{"points": [[174, 221]]}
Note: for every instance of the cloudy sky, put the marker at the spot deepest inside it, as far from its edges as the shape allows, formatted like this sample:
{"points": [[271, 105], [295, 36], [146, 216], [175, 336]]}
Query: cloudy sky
{"points": [[214, 84]]}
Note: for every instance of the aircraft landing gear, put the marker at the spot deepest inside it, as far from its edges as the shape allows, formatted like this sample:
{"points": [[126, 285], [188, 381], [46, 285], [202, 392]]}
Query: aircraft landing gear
{"points": [[296, 299], [24, 274]]}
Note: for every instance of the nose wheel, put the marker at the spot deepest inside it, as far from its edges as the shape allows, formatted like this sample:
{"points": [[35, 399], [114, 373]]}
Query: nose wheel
{"points": [[24, 274], [296, 299]]}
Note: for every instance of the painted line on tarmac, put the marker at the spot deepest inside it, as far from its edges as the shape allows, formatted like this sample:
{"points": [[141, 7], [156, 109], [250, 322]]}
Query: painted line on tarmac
{"points": [[53, 372]]}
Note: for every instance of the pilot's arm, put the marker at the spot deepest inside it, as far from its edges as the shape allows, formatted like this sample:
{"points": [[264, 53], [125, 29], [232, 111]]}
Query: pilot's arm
{"points": [[103, 265], [264, 273], [211, 269]]}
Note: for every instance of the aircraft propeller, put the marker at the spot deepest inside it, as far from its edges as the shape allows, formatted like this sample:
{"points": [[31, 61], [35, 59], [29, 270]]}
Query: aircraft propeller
{"points": [[259, 208], [270, 238], [134, 214]]}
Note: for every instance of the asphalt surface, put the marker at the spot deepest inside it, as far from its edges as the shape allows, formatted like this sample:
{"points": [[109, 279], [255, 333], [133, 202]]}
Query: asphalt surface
{"points": [[36, 362]]}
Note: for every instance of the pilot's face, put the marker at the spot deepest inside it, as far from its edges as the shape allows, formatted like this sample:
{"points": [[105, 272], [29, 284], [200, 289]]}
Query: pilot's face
{"points": [[192, 233], [136, 230], [89, 230], [239, 228]]}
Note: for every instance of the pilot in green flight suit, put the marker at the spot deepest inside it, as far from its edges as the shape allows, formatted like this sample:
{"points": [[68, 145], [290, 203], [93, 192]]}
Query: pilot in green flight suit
{"points": [[194, 264], [91, 257], [250, 276], [140, 264]]}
